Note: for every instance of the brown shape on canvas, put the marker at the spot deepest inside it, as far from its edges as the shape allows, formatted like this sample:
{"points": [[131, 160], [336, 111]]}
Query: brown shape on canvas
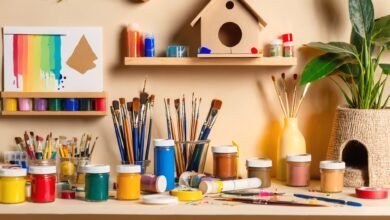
{"points": [[83, 57]]}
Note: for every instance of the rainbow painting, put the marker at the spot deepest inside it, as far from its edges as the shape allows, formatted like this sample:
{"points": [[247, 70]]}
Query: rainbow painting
{"points": [[52, 59]]}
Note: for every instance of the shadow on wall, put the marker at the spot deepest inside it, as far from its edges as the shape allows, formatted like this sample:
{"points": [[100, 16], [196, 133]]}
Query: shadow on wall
{"points": [[330, 13]]}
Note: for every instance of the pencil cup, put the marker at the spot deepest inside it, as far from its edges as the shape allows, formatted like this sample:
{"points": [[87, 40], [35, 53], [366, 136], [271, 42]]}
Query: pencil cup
{"points": [[67, 169], [195, 154], [144, 165]]}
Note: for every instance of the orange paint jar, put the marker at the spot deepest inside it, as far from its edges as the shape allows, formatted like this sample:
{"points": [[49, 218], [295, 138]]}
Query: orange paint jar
{"points": [[332, 176], [128, 182], [225, 162]]}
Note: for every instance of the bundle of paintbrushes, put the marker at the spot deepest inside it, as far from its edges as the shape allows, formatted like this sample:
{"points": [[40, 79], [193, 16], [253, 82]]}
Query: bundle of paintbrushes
{"points": [[189, 156], [290, 109], [38, 148], [132, 128]]}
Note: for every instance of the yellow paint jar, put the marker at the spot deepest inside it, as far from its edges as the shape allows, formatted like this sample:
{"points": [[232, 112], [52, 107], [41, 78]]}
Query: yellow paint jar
{"points": [[128, 182], [67, 169], [12, 185], [11, 105], [332, 176]]}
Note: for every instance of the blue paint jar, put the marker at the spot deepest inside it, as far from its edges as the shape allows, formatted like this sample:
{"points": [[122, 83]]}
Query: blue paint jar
{"points": [[71, 104], [149, 45], [164, 161]]}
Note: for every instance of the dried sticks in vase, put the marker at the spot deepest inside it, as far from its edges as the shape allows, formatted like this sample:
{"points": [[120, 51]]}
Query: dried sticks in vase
{"points": [[290, 109]]}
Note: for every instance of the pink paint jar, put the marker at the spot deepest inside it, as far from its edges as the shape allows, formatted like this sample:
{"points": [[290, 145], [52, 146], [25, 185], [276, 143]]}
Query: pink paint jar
{"points": [[298, 170], [100, 104], [25, 104]]}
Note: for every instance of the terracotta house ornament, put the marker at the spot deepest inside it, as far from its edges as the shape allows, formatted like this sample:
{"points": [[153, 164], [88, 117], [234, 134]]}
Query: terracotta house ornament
{"points": [[229, 28]]}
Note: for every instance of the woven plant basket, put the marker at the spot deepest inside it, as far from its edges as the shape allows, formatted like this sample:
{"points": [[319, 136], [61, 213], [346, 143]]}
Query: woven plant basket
{"points": [[361, 138]]}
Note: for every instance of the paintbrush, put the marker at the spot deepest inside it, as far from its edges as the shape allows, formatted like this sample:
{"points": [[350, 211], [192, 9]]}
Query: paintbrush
{"points": [[136, 109], [192, 117], [285, 93], [168, 117], [19, 143], [306, 88], [93, 147], [184, 130], [143, 101], [197, 119], [129, 131], [30, 151], [151, 105], [173, 135], [179, 124], [33, 143], [119, 139], [39, 152], [87, 144], [119, 117], [258, 201], [279, 96], [126, 127], [292, 113]]}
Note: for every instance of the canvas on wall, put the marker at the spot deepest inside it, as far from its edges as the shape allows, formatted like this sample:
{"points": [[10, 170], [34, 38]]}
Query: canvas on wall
{"points": [[53, 59]]}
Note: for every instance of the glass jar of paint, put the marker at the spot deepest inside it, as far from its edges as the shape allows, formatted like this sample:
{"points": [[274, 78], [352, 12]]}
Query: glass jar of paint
{"points": [[260, 168], [332, 176], [12, 185], [25, 104], [128, 182], [43, 183], [67, 169], [71, 104], [41, 104], [100, 104], [164, 161], [298, 170], [96, 182], [55, 104], [86, 104], [225, 162], [276, 49], [11, 105]]}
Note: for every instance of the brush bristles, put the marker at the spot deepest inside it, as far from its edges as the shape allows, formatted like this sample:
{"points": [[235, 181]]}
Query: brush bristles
{"points": [[217, 104], [18, 140], [144, 98], [168, 101], [151, 99], [177, 103], [273, 78], [122, 101], [283, 75], [136, 104], [115, 104], [295, 76], [129, 106]]}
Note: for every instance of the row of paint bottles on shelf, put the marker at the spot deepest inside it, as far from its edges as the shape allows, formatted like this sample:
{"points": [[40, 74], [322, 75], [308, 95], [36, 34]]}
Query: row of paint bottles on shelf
{"points": [[139, 44]]}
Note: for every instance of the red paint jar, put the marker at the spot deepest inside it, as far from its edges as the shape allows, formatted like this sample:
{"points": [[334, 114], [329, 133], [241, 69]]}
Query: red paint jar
{"points": [[100, 104], [43, 183]]}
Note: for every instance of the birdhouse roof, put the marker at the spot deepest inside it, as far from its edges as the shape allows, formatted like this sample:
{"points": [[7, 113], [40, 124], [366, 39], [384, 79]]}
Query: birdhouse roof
{"points": [[245, 3]]}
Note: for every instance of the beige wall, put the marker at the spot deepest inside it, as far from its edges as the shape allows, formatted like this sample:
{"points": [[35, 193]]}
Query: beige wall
{"points": [[250, 114]]}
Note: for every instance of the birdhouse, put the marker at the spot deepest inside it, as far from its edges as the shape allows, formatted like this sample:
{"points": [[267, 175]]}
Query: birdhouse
{"points": [[229, 28]]}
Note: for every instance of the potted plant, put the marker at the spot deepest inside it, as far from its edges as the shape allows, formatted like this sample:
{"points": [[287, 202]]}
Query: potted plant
{"points": [[361, 130]]}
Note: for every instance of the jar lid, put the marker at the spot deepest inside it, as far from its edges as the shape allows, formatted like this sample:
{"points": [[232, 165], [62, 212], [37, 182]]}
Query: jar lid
{"points": [[128, 169], [224, 149], [276, 42], [259, 162], [299, 158], [287, 37], [161, 184], [332, 164], [164, 142], [160, 199], [13, 172], [96, 168], [42, 169]]}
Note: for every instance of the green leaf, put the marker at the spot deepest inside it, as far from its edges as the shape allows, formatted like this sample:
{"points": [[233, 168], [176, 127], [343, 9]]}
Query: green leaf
{"points": [[351, 70], [334, 47], [385, 68], [356, 40], [381, 31], [361, 14], [322, 66]]}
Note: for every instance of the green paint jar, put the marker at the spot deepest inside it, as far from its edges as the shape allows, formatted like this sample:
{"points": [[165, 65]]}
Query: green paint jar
{"points": [[55, 104], [96, 182]]}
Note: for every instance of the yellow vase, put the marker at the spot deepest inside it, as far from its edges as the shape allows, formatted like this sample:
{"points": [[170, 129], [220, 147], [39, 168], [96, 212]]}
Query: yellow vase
{"points": [[291, 142]]}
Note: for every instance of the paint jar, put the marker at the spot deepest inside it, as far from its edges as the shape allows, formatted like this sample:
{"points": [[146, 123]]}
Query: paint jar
{"points": [[41, 104], [133, 41], [276, 49], [86, 104], [12, 185], [96, 182], [332, 176], [260, 168], [100, 104], [288, 45], [177, 51], [25, 104], [71, 104], [11, 105], [298, 170], [153, 184], [164, 161], [55, 104], [149, 45], [225, 162], [67, 169], [128, 182], [43, 183]]}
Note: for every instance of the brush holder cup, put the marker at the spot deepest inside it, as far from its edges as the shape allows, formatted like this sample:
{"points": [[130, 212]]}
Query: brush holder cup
{"points": [[78, 179], [195, 154], [67, 169]]}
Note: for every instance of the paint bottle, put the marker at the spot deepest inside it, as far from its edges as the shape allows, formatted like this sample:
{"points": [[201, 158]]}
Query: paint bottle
{"points": [[55, 104], [298, 170], [153, 184], [260, 168], [177, 51], [128, 182], [43, 183], [276, 49], [149, 50], [100, 104], [41, 104], [96, 182], [25, 104], [332, 176], [86, 104], [164, 160], [71, 104], [133, 40], [288, 45], [224, 162], [12, 185], [11, 105], [228, 185]]}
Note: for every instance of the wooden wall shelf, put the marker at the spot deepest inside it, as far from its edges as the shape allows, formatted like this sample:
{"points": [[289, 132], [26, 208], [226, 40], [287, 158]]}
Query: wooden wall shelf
{"points": [[194, 61], [54, 113]]}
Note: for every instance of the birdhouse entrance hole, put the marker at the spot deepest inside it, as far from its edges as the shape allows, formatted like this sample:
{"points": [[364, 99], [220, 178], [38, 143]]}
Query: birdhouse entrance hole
{"points": [[230, 34], [229, 5], [355, 156]]}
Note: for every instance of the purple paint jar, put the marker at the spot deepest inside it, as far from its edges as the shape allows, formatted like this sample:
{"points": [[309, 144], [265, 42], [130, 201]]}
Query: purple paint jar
{"points": [[41, 104], [25, 104]]}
